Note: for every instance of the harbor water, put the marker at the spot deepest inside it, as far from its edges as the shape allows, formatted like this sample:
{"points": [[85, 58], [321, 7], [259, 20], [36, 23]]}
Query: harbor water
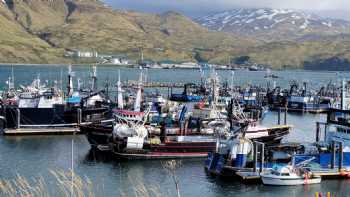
{"points": [[34, 157]]}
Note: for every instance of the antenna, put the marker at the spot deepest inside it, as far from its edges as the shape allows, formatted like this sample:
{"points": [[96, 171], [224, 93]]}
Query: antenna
{"points": [[94, 78], [13, 78], [232, 80], [61, 84]]}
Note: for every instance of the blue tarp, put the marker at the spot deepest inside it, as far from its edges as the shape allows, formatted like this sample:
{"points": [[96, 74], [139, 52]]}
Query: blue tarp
{"points": [[75, 99]]}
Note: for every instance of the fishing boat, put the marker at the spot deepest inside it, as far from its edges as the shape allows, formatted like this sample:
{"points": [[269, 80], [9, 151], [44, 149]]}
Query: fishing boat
{"points": [[290, 175], [193, 133], [305, 101], [2, 117], [99, 134], [40, 106], [171, 148], [232, 152], [133, 139], [337, 126], [188, 95], [271, 76]]}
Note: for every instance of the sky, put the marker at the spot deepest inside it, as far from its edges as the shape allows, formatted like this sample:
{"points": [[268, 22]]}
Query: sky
{"points": [[196, 8]]}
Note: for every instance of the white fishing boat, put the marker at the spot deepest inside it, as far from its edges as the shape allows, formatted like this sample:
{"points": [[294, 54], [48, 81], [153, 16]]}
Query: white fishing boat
{"points": [[290, 175]]}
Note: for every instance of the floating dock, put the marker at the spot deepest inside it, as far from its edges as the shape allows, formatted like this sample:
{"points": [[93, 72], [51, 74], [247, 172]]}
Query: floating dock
{"points": [[41, 131], [56, 129], [247, 175]]}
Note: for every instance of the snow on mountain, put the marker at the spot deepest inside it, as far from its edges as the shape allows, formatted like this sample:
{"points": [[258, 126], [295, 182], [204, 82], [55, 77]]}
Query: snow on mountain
{"points": [[286, 22]]}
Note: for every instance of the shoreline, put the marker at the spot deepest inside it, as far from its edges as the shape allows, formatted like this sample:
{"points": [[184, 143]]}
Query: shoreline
{"points": [[164, 68]]}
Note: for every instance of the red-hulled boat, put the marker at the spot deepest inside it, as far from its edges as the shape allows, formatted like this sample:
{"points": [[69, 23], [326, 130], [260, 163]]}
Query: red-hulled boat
{"points": [[171, 148]]}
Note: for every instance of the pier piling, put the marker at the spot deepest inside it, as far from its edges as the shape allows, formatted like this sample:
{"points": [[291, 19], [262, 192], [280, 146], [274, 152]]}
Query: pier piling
{"points": [[333, 156], [318, 131], [262, 155], [279, 116], [255, 157], [18, 118], [341, 156], [79, 115], [285, 116]]}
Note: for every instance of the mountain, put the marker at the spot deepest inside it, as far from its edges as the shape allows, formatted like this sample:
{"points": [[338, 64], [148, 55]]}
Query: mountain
{"points": [[42, 31], [290, 54], [91, 25], [19, 46], [274, 24]]}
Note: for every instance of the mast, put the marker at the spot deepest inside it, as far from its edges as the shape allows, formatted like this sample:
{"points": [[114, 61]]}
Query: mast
{"points": [[79, 84], [120, 93], [11, 80], [94, 78], [232, 80], [343, 95], [141, 51], [70, 81], [215, 89], [137, 104]]}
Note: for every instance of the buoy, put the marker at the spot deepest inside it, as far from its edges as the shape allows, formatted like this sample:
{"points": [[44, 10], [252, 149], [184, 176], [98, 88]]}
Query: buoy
{"points": [[306, 178], [343, 173], [348, 175]]}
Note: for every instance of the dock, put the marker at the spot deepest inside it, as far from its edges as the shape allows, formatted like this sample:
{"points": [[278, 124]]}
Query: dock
{"points": [[43, 131], [247, 175], [131, 84], [54, 129]]}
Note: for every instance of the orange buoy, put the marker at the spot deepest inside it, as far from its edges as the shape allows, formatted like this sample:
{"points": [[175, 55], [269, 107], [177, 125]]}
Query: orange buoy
{"points": [[344, 173]]}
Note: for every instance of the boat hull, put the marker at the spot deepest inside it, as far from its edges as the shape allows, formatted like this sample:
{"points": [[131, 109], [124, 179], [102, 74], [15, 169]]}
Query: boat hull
{"points": [[161, 155], [286, 181], [51, 117], [172, 150], [2, 124], [98, 136], [275, 135]]}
